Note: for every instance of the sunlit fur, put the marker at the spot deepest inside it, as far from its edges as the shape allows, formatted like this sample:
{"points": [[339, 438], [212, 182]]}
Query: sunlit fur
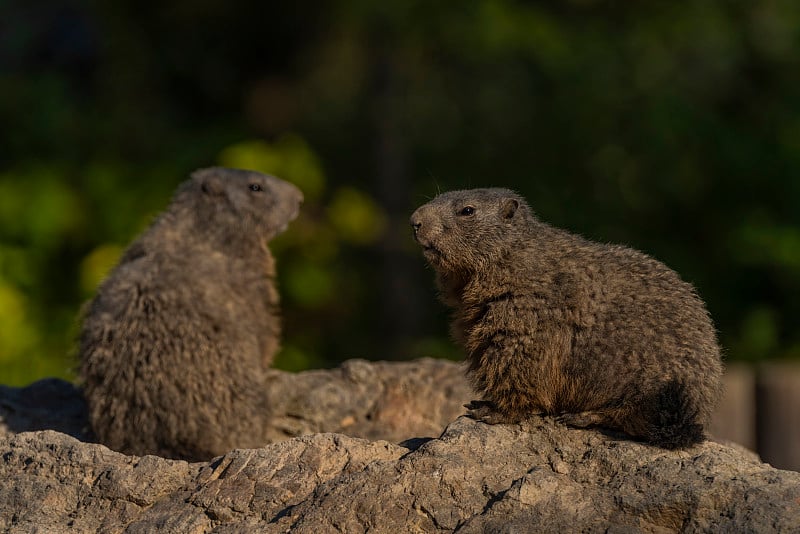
{"points": [[176, 342], [554, 323]]}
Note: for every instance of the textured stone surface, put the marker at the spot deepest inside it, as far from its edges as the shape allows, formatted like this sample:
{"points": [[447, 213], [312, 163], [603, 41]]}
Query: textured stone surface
{"points": [[373, 400], [540, 477], [536, 477]]}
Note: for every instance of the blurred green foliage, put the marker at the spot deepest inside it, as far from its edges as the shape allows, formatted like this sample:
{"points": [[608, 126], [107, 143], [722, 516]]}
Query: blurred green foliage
{"points": [[311, 271], [671, 127]]}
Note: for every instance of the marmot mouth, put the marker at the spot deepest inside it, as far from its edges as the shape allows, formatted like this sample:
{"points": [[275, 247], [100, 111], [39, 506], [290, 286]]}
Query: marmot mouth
{"points": [[292, 216], [431, 253]]}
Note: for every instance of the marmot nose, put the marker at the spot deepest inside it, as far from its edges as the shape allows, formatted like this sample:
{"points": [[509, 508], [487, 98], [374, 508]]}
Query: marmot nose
{"points": [[416, 226]]}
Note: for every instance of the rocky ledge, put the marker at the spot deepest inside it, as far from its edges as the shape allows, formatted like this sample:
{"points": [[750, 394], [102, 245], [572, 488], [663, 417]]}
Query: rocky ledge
{"points": [[372, 400], [536, 477]]}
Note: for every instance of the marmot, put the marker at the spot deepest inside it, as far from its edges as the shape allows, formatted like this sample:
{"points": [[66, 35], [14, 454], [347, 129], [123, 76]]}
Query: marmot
{"points": [[175, 345], [553, 323]]}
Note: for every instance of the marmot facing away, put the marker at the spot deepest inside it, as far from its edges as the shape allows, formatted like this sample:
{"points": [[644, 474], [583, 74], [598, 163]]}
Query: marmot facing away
{"points": [[175, 345], [553, 323]]}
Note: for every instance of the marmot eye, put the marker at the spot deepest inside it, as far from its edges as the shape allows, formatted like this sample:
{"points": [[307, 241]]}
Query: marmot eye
{"points": [[255, 187], [469, 210]]}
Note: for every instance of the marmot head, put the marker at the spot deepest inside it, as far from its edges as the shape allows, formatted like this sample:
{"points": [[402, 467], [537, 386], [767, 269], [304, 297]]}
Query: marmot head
{"points": [[239, 201], [470, 230]]}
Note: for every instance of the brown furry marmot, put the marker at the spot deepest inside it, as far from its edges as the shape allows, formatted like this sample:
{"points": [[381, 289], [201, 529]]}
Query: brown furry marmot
{"points": [[175, 345], [553, 323]]}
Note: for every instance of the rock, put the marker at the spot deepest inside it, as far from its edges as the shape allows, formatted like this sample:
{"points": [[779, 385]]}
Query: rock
{"points": [[540, 477], [47, 404], [373, 400], [55, 483]]}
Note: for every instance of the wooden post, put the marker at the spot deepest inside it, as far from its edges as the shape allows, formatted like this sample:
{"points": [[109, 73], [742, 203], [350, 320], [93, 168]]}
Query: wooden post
{"points": [[778, 408], [735, 418]]}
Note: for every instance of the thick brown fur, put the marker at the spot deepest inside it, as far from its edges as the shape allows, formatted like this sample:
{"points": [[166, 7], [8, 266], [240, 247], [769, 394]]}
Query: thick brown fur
{"points": [[553, 323], [175, 345]]}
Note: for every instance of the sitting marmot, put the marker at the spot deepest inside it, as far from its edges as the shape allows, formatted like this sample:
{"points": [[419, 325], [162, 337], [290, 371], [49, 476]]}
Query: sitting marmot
{"points": [[175, 344], [553, 323]]}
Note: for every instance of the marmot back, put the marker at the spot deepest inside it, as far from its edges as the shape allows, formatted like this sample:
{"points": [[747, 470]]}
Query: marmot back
{"points": [[554, 323], [175, 344]]}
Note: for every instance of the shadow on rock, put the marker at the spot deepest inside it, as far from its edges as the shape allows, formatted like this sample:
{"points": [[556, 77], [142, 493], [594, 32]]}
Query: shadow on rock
{"points": [[49, 404]]}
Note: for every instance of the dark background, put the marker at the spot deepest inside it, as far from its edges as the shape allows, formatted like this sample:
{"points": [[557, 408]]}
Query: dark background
{"points": [[672, 127]]}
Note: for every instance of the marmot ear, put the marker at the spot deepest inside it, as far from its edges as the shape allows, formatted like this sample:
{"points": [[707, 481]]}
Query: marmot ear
{"points": [[509, 208], [212, 186]]}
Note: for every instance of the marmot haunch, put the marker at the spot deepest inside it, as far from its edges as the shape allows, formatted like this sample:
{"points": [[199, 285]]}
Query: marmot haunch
{"points": [[175, 345], [553, 323]]}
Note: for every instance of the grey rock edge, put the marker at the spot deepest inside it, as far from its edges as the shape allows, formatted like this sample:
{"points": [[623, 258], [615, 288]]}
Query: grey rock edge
{"points": [[536, 477]]}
